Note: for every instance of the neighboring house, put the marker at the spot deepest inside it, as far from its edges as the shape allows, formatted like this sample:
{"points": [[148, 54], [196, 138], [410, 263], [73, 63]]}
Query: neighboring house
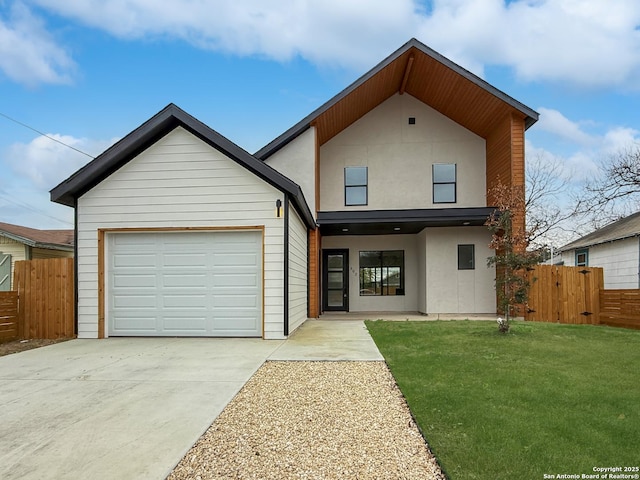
{"points": [[23, 243], [615, 248], [376, 201]]}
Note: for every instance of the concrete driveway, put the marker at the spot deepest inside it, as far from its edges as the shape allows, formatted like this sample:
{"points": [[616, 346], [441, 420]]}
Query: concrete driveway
{"points": [[130, 408]]}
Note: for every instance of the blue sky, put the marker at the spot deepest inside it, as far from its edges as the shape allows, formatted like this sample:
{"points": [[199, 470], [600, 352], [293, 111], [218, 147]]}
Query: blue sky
{"points": [[87, 72]]}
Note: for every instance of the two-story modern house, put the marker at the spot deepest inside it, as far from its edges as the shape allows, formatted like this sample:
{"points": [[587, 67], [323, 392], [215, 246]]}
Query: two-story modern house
{"points": [[374, 202]]}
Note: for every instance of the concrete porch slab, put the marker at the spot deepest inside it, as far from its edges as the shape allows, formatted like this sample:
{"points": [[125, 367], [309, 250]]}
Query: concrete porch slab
{"points": [[329, 340]]}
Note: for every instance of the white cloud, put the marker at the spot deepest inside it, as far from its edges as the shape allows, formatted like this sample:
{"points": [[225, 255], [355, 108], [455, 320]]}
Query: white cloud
{"points": [[46, 163], [590, 43], [351, 33], [554, 122], [28, 53]]}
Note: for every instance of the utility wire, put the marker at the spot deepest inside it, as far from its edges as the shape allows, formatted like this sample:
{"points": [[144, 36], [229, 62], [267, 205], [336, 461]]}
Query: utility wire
{"points": [[45, 135]]}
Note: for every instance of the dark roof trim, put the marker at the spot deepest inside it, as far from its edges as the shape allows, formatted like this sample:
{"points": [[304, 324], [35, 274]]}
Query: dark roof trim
{"points": [[401, 216], [151, 131], [300, 127], [393, 222]]}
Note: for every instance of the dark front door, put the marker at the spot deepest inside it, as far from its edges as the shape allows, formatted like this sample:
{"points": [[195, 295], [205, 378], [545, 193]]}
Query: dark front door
{"points": [[335, 290]]}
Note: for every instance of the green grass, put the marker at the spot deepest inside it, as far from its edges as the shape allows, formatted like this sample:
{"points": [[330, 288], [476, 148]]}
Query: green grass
{"points": [[543, 399]]}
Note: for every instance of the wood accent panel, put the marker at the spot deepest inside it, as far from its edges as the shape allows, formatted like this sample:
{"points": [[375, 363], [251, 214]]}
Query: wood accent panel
{"points": [[101, 313], [430, 81], [361, 100], [9, 325], [498, 155], [314, 273], [45, 290]]}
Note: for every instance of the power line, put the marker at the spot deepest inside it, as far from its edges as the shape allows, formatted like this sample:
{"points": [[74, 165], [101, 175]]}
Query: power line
{"points": [[31, 208], [45, 135]]}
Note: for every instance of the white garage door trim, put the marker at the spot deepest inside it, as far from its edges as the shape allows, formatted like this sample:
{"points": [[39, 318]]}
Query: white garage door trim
{"points": [[176, 282]]}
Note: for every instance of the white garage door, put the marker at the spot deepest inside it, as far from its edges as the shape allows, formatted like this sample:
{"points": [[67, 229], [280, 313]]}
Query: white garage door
{"points": [[185, 284]]}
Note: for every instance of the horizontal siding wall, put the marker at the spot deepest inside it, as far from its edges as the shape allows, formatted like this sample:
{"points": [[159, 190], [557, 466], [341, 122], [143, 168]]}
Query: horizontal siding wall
{"points": [[297, 270], [179, 181], [620, 261]]}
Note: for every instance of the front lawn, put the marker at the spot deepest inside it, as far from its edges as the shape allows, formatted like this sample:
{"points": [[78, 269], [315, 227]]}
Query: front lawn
{"points": [[544, 399]]}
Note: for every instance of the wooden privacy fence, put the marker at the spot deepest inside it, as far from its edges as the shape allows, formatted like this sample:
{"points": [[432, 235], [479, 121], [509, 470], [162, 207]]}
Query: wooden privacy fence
{"points": [[564, 294], [620, 308], [45, 298], [577, 295], [8, 316]]}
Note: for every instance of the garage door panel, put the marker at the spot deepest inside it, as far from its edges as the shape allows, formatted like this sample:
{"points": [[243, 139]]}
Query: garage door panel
{"points": [[235, 301], [185, 261], [135, 301], [234, 280], [185, 280], [134, 281], [178, 324], [186, 283], [133, 324], [189, 302], [235, 324], [234, 260], [135, 260]]}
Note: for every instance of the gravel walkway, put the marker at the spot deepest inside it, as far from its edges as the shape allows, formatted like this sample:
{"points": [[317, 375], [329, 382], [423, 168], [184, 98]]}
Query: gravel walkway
{"points": [[313, 420]]}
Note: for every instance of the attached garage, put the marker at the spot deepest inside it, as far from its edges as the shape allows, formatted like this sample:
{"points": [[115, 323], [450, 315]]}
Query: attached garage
{"points": [[177, 283], [179, 232]]}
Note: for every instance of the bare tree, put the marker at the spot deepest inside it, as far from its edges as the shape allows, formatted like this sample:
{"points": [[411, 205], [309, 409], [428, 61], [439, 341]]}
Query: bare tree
{"points": [[615, 191], [546, 195]]}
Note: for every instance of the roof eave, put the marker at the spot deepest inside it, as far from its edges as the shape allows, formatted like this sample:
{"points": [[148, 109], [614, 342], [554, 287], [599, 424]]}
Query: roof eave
{"points": [[148, 133], [530, 115]]}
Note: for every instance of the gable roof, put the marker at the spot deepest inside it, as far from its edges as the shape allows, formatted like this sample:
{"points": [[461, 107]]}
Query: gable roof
{"points": [[423, 73], [151, 131], [624, 228], [51, 239]]}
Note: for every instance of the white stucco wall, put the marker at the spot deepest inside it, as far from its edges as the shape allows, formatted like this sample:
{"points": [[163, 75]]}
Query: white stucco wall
{"points": [[389, 303], [620, 261], [449, 290], [297, 270], [433, 283], [296, 161], [400, 156], [179, 181]]}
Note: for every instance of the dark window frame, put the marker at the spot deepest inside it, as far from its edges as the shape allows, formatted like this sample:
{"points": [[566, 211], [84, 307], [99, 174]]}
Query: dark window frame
{"points": [[384, 288], [464, 265], [347, 186], [454, 182]]}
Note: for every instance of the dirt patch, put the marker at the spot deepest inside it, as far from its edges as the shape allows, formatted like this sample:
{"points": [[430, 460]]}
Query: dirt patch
{"points": [[22, 345]]}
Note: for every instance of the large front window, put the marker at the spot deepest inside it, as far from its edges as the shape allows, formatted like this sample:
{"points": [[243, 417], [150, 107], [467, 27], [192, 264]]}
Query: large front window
{"points": [[382, 273]]}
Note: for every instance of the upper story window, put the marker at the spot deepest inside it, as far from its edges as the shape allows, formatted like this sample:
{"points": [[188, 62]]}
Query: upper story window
{"points": [[582, 258], [355, 186], [444, 183]]}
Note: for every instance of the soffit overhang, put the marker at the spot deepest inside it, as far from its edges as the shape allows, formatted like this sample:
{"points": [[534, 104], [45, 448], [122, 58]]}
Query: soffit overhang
{"points": [[397, 222], [417, 70]]}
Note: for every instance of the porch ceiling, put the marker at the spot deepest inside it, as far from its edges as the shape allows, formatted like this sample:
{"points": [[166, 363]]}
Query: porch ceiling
{"points": [[393, 222]]}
